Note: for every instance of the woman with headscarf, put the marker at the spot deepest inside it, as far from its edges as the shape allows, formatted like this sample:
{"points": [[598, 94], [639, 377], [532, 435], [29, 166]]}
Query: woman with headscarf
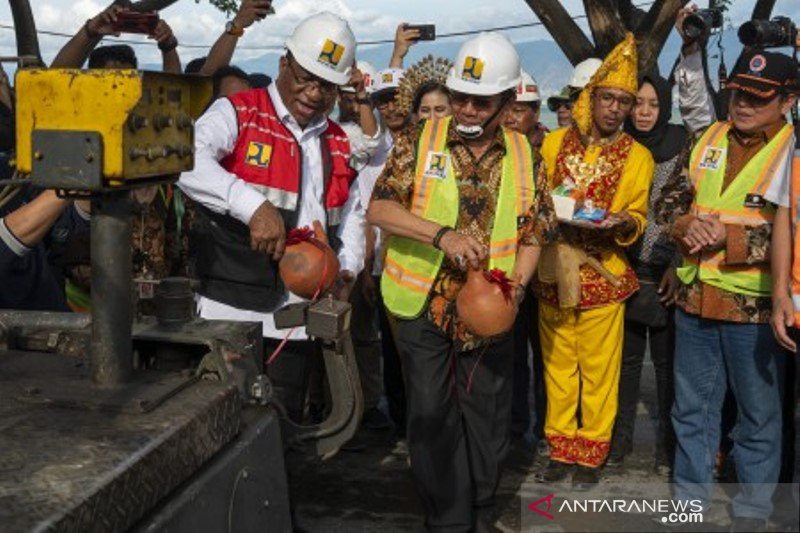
{"points": [[653, 260]]}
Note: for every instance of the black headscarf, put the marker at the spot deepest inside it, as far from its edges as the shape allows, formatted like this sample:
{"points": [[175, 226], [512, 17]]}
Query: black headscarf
{"points": [[665, 140]]}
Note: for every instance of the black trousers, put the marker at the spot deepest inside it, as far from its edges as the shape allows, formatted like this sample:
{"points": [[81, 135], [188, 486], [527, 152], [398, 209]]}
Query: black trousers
{"points": [[290, 372], [662, 348], [393, 385], [526, 333], [458, 438]]}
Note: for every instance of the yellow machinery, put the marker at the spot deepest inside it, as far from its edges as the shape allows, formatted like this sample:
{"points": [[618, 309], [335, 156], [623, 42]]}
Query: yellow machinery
{"points": [[101, 129]]}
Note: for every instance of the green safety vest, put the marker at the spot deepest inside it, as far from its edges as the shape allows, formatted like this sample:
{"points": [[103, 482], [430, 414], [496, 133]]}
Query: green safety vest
{"points": [[411, 267], [742, 202]]}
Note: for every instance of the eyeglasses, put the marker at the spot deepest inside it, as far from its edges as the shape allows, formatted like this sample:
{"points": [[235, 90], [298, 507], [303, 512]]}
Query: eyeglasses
{"points": [[481, 103], [383, 100], [625, 102], [750, 100], [304, 80]]}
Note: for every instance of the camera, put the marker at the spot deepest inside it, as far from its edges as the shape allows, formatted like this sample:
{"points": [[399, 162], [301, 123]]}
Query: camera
{"points": [[702, 21], [780, 31]]}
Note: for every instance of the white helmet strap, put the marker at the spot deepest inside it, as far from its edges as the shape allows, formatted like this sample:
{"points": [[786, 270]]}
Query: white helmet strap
{"points": [[473, 132]]}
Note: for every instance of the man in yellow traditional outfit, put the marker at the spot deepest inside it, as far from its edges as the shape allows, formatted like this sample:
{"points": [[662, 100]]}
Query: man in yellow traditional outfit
{"points": [[585, 278]]}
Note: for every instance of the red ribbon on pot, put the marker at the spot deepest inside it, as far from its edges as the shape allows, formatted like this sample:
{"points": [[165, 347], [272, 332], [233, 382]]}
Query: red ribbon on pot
{"points": [[298, 235], [498, 277]]}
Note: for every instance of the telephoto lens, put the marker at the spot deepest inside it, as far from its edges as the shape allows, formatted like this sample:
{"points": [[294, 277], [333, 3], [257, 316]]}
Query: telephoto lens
{"points": [[702, 21], [780, 31]]}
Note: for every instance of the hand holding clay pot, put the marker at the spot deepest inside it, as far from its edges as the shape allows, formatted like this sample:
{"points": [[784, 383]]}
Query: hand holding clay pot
{"points": [[486, 304], [309, 265]]}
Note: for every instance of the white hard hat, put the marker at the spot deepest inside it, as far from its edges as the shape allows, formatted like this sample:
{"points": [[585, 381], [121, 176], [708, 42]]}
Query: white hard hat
{"points": [[324, 45], [485, 65], [386, 79], [369, 73], [527, 90], [584, 71]]}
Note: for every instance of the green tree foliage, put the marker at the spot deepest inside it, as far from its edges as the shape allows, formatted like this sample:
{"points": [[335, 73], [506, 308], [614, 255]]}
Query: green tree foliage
{"points": [[229, 7]]}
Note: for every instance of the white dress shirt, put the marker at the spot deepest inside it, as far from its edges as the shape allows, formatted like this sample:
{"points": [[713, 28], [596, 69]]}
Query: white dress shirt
{"points": [[694, 100], [223, 192], [366, 183]]}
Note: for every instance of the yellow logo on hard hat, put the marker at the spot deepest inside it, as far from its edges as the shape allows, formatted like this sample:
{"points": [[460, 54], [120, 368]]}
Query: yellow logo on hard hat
{"points": [[473, 69], [331, 53], [387, 77], [258, 154]]}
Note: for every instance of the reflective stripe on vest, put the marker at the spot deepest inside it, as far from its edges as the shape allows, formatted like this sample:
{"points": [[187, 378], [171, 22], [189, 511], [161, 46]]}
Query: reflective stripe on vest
{"points": [[795, 213], [707, 173], [411, 266]]}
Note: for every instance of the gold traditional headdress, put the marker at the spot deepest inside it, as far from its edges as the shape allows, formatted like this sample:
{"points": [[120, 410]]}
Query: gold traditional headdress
{"points": [[618, 71], [428, 69]]}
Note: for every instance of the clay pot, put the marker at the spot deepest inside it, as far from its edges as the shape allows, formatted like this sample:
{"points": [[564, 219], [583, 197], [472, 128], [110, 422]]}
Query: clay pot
{"points": [[303, 267], [483, 307]]}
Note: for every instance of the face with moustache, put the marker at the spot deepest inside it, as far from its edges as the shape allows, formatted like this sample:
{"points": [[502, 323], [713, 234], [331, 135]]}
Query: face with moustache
{"points": [[610, 108], [306, 96]]}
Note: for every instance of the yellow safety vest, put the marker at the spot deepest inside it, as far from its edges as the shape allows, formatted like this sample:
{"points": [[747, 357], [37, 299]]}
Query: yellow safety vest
{"points": [[410, 267], [742, 202]]}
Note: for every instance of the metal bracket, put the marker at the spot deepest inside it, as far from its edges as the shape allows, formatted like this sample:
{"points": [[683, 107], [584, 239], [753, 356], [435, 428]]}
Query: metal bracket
{"points": [[69, 160]]}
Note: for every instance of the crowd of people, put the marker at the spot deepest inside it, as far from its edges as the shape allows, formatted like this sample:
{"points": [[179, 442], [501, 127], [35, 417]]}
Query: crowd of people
{"points": [[624, 231]]}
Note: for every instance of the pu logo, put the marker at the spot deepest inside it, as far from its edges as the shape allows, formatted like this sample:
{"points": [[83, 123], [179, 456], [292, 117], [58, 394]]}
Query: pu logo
{"points": [[387, 77], [712, 158], [473, 69], [436, 165], [258, 154], [331, 53]]}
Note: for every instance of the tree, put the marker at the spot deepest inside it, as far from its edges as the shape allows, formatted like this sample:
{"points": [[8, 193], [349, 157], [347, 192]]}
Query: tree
{"points": [[608, 21]]}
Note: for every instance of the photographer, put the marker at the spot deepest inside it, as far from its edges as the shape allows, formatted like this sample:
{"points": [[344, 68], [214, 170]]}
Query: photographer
{"points": [[695, 95], [725, 200]]}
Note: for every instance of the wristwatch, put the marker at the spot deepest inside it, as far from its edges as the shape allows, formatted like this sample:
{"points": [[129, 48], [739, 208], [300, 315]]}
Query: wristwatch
{"points": [[232, 29], [363, 99]]}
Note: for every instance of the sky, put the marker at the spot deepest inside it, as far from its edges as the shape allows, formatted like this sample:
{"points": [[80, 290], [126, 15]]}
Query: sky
{"points": [[198, 23]]}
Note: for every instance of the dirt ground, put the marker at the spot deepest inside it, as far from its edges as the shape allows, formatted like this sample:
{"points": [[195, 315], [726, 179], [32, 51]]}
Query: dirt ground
{"points": [[371, 490]]}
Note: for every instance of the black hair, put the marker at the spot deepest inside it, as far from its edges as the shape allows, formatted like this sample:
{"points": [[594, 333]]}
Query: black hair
{"points": [[427, 88], [194, 66], [121, 53], [259, 80], [226, 72]]}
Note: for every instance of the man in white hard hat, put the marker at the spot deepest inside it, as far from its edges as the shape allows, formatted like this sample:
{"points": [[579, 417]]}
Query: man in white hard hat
{"points": [[357, 118], [523, 114], [439, 197], [269, 160], [561, 103]]}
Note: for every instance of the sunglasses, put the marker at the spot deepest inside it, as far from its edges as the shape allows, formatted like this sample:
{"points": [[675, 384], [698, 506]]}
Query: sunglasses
{"points": [[481, 103]]}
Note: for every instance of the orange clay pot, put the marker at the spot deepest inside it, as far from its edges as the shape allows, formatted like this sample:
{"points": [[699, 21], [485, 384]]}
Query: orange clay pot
{"points": [[484, 307], [308, 267]]}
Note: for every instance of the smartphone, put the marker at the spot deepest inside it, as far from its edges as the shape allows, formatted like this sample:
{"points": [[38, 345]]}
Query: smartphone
{"points": [[136, 22], [427, 32], [270, 11]]}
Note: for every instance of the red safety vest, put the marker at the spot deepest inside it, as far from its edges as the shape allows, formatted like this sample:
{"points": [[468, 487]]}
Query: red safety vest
{"points": [[267, 156]]}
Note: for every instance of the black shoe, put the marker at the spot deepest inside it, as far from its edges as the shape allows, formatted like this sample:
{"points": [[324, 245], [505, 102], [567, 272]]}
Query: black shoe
{"points": [[553, 472], [615, 460], [743, 524], [375, 419], [585, 478]]}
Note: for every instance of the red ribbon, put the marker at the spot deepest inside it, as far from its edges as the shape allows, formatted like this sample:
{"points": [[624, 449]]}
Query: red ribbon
{"points": [[298, 235], [498, 277]]}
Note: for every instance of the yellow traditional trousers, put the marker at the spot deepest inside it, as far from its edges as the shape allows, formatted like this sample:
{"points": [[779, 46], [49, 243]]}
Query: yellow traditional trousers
{"points": [[582, 353]]}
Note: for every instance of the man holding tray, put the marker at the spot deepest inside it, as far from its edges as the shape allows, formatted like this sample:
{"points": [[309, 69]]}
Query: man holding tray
{"points": [[600, 179]]}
